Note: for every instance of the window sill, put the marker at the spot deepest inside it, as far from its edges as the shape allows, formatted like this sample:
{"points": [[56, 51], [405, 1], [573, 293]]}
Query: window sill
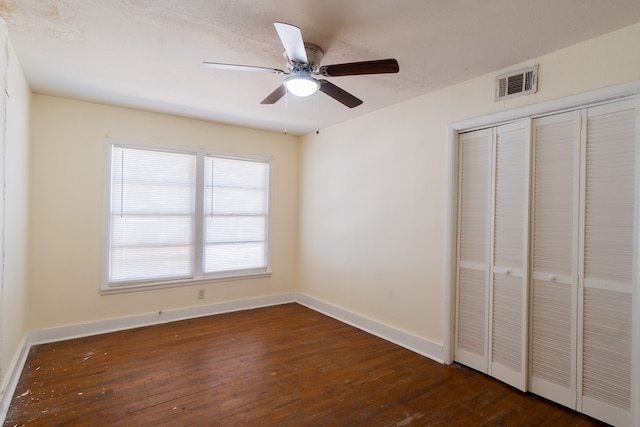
{"points": [[124, 288]]}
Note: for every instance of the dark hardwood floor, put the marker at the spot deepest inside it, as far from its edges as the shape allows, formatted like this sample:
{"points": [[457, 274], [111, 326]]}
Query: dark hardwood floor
{"points": [[277, 366]]}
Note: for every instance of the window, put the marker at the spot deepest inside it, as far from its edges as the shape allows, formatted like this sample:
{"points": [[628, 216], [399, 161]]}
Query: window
{"points": [[235, 208], [181, 217]]}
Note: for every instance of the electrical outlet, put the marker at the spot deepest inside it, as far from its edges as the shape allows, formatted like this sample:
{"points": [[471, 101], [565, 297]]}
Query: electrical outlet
{"points": [[200, 293]]}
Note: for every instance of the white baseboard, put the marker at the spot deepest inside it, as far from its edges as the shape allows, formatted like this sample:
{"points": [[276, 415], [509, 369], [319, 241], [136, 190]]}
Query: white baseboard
{"points": [[396, 336], [12, 380], [112, 325], [404, 339]]}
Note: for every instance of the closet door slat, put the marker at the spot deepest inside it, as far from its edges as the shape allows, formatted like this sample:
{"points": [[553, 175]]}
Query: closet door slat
{"points": [[473, 314], [473, 252], [609, 195], [607, 347], [609, 219], [509, 267], [554, 258], [509, 196]]}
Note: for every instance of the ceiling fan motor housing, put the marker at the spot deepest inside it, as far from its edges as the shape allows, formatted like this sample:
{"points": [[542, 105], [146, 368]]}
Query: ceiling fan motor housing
{"points": [[314, 58]]}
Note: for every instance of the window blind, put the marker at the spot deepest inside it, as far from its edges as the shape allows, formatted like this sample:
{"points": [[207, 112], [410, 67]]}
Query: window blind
{"points": [[235, 214], [152, 215]]}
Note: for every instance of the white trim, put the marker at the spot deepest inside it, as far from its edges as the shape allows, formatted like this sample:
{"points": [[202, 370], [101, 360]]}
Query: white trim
{"points": [[582, 173], [548, 107], [15, 370], [185, 282], [607, 413], [168, 148], [4, 82], [391, 334], [404, 339], [450, 247], [491, 194], [198, 226], [106, 211], [112, 325]]}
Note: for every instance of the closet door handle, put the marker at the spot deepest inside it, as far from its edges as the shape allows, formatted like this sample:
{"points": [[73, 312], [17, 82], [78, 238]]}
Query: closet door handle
{"points": [[551, 278]]}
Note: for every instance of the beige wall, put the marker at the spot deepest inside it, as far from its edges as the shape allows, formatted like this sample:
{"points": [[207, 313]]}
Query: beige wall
{"points": [[372, 190], [68, 172], [14, 114]]}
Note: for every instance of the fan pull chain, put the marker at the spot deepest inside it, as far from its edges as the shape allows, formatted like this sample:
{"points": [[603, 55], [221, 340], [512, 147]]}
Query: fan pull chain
{"points": [[317, 112]]}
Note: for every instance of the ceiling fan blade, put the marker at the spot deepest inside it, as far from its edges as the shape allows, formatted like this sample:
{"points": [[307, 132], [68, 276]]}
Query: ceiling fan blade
{"points": [[291, 38], [275, 96], [381, 66], [339, 94], [234, 67]]}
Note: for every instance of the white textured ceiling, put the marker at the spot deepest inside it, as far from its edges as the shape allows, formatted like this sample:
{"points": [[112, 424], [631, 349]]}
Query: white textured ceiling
{"points": [[147, 53]]}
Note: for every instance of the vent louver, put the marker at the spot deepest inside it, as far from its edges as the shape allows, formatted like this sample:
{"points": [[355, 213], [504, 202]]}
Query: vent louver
{"points": [[517, 83]]}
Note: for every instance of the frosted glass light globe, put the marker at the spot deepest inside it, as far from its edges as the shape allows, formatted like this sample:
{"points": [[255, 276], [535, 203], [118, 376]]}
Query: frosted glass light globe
{"points": [[301, 85]]}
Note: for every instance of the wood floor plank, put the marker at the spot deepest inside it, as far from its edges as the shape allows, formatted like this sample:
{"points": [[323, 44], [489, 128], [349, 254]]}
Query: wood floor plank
{"points": [[285, 365]]}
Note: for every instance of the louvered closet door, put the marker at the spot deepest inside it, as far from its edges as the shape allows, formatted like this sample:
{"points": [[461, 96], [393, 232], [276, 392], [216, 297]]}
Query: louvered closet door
{"points": [[554, 281], [473, 248], [508, 291], [610, 279]]}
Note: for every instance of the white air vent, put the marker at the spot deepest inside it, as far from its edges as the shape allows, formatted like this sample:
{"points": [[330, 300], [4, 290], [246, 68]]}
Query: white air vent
{"points": [[517, 83]]}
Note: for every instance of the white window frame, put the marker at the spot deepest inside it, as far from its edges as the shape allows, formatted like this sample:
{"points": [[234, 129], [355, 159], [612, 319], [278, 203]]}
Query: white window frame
{"points": [[199, 277]]}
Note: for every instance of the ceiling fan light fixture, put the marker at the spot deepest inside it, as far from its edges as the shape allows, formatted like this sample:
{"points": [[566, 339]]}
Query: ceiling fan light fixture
{"points": [[303, 61], [302, 85]]}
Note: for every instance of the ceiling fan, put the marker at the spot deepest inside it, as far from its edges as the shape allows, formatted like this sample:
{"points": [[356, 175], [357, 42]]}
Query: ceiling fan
{"points": [[303, 62]]}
